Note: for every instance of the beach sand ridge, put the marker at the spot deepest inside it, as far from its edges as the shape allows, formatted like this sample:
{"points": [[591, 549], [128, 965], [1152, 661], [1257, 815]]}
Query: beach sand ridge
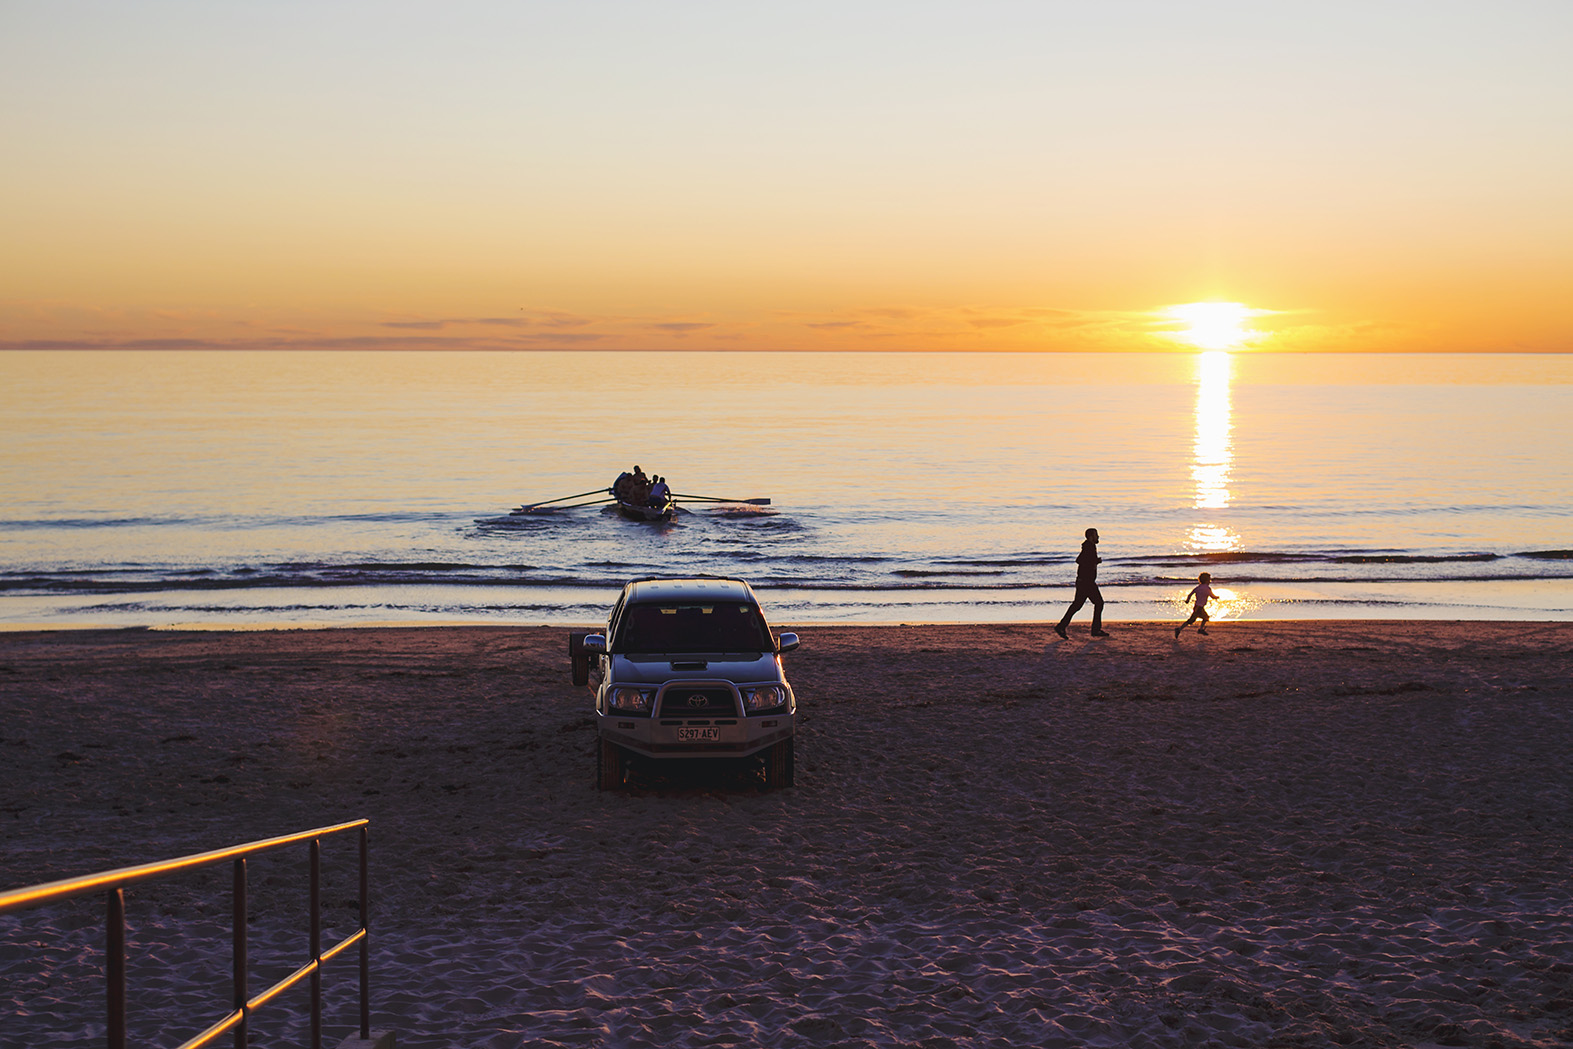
{"points": [[1280, 834]]}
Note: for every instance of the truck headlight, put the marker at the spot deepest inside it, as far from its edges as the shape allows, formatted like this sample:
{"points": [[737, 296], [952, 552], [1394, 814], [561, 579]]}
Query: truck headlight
{"points": [[633, 700], [764, 697]]}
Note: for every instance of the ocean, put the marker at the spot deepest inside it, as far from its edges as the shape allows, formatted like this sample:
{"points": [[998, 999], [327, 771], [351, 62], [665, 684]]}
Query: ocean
{"points": [[250, 489]]}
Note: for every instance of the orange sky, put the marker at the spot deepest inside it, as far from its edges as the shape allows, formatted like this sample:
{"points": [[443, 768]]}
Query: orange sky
{"points": [[912, 176]]}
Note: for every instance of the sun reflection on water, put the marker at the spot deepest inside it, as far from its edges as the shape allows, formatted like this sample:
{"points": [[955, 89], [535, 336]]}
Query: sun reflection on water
{"points": [[1212, 538], [1213, 453], [1212, 459], [1227, 603]]}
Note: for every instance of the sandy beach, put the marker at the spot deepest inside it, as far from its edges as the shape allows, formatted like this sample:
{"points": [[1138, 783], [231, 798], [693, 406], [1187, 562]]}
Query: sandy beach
{"points": [[1282, 834]]}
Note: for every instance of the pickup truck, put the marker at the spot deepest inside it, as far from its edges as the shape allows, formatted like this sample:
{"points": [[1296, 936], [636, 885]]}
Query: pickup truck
{"points": [[688, 668]]}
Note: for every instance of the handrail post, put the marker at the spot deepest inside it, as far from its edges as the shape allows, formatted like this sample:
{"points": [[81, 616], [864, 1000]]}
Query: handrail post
{"points": [[239, 950], [365, 950], [113, 883], [115, 948], [316, 943]]}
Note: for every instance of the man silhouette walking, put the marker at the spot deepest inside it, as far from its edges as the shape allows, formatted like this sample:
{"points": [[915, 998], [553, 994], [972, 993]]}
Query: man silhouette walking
{"points": [[1086, 587]]}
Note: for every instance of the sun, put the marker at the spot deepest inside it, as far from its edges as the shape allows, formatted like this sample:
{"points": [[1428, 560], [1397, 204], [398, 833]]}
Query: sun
{"points": [[1214, 325]]}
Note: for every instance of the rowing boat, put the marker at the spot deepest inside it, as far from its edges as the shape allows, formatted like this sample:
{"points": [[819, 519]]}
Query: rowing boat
{"points": [[636, 510], [641, 512]]}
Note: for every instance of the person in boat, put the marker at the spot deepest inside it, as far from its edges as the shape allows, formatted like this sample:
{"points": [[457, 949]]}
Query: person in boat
{"points": [[620, 486], [658, 493], [639, 487]]}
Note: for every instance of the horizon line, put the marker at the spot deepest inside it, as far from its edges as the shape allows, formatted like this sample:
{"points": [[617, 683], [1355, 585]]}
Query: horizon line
{"points": [[381, 346]]}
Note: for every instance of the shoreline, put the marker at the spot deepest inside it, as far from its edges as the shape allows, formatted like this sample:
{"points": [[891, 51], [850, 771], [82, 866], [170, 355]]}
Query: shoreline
{"points": [[1286, 832], [1527, 600], [224, 624]]}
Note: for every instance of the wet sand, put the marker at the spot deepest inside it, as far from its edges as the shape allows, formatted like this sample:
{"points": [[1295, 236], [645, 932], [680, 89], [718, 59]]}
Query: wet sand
{"points": [[1281, 834]]}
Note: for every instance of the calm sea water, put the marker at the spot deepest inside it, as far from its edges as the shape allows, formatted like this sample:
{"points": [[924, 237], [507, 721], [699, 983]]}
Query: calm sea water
{"points": [[240, 489]]}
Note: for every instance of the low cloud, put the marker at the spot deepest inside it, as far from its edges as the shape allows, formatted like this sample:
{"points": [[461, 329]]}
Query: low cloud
{"points": [[528, 319], [681, 327], [997, 322], [1002, 327], [984, 327], [522, 341], [557, 319], [54, 344]]}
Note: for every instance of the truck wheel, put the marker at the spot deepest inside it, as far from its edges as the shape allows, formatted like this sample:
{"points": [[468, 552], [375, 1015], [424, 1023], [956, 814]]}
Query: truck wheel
{"points": [[610, 768], [780, 765], [579, 658]]}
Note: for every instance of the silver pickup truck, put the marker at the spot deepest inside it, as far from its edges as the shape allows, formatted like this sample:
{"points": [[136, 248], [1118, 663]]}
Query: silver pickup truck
{"points": [[688, 668]]}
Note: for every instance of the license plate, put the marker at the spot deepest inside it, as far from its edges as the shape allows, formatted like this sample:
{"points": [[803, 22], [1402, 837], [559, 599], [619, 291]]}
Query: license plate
{"points": [[698, 735]]}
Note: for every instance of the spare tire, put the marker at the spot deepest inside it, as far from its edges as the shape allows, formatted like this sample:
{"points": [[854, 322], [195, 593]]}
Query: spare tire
{"points": [[579, 657]]}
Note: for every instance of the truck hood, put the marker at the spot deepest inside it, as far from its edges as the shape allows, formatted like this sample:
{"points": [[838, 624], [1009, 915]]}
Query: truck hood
{"points": [[718, 666]]}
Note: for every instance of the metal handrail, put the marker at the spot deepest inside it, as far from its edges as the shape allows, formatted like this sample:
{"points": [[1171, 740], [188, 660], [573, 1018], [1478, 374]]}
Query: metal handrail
{"points": [[114, 882]]}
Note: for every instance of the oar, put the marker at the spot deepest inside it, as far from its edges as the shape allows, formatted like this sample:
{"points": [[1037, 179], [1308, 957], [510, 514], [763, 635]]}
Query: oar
{"points": [[563, 499], [543, 508], [713, 499]]}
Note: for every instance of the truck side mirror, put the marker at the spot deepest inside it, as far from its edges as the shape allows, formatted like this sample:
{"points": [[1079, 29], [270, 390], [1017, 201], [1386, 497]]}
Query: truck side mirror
{"points": [[787, 643], [594, 644]]}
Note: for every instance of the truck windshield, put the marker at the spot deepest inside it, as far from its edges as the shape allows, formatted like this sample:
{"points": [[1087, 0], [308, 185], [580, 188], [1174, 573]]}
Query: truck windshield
{"points": [[734, 627]]}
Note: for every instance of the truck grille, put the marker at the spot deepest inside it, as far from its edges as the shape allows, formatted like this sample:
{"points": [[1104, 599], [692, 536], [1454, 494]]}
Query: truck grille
{"points": [[683, 701]]}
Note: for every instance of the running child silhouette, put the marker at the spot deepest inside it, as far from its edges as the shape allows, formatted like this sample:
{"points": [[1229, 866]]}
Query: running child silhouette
{"points": [[1203, 592]]}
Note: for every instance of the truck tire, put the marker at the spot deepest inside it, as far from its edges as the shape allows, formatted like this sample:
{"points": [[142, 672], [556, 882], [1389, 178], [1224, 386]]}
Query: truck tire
{"points": [[611, 770], [579, 657], [781, 765]]}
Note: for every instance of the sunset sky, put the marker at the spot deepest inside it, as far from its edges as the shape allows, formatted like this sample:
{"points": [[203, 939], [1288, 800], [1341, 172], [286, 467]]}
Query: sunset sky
{"points": [[904, 176]]}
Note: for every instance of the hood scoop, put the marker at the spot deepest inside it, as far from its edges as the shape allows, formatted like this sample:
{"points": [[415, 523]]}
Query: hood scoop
{"points": [[692, 664]]}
